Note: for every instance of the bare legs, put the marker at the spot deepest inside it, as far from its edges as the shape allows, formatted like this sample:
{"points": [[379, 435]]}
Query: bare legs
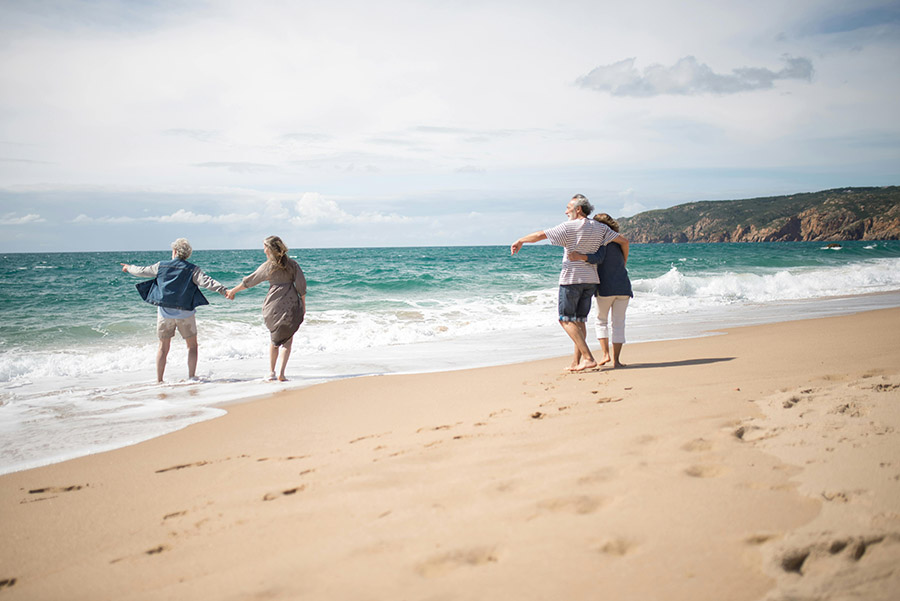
{"points": [[192, 356], [163, 353], [617, 351], [161, 356], [604, 346], [285, 352], [583, 359]]}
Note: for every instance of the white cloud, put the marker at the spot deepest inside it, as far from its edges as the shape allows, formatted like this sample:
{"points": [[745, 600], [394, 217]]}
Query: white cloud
{"points": [[11, 219], [182, 216], [239, 167], [179, 216], [84, 219], [688, 76], [312, 208]]}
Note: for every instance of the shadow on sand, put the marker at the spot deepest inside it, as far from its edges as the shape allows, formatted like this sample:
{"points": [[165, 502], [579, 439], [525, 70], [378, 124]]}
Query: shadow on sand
{"points": [[683, 363]]}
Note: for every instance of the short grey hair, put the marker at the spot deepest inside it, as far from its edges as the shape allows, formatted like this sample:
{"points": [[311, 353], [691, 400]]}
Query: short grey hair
{"points": [[584, 204], [182, 249]]}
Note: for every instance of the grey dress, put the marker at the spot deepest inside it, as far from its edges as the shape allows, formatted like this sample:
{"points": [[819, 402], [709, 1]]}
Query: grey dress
{"points": [[283, 309]]}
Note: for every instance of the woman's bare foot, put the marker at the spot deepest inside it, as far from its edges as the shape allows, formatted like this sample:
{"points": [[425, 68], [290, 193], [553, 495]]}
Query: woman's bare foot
{"points": [[271, 377], [604, 360], [282, 378]]}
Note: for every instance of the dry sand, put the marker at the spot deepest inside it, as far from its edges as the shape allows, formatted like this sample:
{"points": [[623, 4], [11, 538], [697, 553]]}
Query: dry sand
{"points": [[759, 464]]}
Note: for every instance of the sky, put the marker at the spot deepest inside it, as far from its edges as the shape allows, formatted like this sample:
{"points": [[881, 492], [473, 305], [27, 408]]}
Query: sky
{"points": [[127, 124]]}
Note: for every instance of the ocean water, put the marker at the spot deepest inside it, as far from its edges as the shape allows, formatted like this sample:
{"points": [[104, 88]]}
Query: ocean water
{"points": [[77, 345]]}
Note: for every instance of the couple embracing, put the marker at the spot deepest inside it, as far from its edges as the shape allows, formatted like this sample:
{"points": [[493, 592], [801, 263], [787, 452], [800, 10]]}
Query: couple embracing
{"points": [[585, 242]]}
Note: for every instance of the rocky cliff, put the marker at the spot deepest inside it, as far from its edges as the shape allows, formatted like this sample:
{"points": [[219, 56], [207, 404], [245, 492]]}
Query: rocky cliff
{"points": [[830, 215]]}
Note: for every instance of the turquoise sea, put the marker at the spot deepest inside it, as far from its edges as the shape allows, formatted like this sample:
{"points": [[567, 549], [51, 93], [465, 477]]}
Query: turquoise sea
{"points": [[77, 345]]}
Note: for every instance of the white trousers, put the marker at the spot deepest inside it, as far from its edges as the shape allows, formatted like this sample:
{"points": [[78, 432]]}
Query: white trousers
{"points": [[611, 308]]}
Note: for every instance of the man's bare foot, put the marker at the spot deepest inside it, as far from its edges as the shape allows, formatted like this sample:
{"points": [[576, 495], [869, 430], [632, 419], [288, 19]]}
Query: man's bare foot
{"points": [[618, 364], [585, 365], [604, 361]]}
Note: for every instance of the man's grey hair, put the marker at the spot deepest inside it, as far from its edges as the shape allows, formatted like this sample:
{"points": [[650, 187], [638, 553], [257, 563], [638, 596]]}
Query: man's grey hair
{"points": [[182, 249], [581, 201]]}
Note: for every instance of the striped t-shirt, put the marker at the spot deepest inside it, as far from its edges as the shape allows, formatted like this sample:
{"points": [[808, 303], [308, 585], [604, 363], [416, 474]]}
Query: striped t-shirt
{"points": [[584, 236]]}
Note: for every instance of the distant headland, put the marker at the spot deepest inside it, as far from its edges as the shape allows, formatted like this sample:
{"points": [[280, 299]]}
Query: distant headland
{"points": [[829, 215]]}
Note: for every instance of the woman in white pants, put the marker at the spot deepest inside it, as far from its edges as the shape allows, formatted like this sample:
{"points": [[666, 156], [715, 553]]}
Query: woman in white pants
{"points": [[613, 293]]}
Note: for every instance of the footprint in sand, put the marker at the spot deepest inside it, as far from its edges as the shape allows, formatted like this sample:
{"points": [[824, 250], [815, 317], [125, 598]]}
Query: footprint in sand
{"points": [[885, 387], [851, 409], [182, 466], [156, 550], [435, 428], [599, 476], [618, 547], [271, 496], [853, 548], [705, 471], [579, 504], [289, 458], [361, 438], [751, 433], [54, 489], [759, 539], [7, 583], [200, 463], [697, 445], [439, 565], [606, 399], [843, 496]]}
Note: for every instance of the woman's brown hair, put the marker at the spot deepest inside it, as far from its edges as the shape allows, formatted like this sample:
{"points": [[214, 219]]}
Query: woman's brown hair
{"points": [[279, 252], [604, 218]]}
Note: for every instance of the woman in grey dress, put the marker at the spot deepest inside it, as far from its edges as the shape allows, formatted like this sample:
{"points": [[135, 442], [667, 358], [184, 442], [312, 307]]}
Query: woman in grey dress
{"points": [[285, 304]]}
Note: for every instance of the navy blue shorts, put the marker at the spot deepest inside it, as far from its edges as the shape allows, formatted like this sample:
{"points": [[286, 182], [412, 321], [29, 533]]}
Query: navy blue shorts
{"points": [[575, 301]]}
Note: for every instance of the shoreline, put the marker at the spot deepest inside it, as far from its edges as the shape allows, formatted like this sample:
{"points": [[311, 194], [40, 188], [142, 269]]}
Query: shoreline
{"points": [[133, 409], [754, 464]]}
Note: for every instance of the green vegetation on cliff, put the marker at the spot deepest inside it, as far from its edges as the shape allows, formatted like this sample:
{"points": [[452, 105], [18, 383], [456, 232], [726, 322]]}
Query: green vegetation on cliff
{"points": [[841, 214]]}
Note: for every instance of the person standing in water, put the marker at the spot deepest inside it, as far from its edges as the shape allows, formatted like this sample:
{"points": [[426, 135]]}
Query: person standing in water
{"points": [[175, 290], [285, 305]]}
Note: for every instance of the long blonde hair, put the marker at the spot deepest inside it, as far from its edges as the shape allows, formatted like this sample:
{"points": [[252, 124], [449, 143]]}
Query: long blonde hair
{"points": [[279, 252]]}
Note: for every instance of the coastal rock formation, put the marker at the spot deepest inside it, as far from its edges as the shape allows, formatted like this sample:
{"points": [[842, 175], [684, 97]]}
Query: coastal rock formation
{"points": [[843, 214]]}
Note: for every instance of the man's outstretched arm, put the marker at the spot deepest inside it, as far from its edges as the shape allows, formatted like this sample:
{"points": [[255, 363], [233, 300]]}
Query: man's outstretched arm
{"points": [[530, 238]]}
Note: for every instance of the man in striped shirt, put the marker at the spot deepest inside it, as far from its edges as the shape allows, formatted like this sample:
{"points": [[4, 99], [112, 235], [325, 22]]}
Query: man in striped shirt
{"points": [[578, 279]]}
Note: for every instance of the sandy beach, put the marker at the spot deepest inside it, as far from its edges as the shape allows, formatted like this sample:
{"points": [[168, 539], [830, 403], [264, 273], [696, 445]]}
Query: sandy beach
{"points": [[759, 464]]}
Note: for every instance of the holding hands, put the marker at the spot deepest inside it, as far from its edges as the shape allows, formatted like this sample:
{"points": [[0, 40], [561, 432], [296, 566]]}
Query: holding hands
{"points": [[230, 294]]}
